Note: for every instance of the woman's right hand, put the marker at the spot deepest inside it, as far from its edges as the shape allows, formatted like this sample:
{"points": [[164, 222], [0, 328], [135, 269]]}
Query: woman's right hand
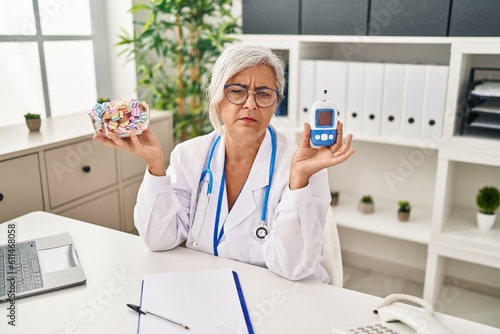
{"points": [[146, 145]]}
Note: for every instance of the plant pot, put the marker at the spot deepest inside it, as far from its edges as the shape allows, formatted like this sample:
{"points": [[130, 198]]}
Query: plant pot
{"points": [[335, 199], [366, 207], [403, 216], [33, 124], [485, 222]]}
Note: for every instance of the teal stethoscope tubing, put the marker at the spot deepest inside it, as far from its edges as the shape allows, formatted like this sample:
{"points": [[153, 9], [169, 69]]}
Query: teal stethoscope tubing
{"points": [[208, 172]]}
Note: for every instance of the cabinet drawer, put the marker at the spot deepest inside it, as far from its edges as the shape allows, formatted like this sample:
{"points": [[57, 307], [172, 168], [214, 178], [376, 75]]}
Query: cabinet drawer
{"points": [[20, 187], [103, 211], [131, 165], [80, 169]]}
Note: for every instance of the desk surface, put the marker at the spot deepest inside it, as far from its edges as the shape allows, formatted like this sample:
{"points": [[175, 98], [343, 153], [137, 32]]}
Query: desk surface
{"points": [[115, 262]]}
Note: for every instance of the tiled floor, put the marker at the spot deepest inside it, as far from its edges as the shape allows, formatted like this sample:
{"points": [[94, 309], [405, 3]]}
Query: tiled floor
{"points": [[485, 309]]}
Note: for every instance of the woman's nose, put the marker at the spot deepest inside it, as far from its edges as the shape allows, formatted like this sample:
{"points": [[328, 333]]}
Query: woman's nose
{"points": [[250, 103]]}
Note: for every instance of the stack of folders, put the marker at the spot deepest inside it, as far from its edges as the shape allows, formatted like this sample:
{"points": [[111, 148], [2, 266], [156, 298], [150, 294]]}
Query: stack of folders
{"points": [[379, 100]]}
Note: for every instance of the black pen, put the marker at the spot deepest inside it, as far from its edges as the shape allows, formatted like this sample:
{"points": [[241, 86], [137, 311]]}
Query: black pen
{"points": [[138, 310]]}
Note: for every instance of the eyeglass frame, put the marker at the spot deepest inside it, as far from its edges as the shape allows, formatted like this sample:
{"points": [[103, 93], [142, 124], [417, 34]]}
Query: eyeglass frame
{"points": [[279, 97]]}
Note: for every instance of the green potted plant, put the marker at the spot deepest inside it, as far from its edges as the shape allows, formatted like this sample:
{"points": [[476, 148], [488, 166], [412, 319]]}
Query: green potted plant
{"points": [[103, 99], [33, 121], [335, 198], [404, 211], [175, 47], [366, 204], [488, 202]]}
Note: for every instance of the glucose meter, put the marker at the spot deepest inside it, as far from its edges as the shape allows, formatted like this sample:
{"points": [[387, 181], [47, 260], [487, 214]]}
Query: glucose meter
{"points": [[323, 123]]}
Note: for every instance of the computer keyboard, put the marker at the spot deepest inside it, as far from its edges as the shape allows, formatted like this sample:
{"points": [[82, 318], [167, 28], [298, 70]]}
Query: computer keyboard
{"points": [[19, 268]]}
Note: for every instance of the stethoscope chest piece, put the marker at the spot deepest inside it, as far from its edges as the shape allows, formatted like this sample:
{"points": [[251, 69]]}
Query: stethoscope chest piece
{"points": [[260, 231]]}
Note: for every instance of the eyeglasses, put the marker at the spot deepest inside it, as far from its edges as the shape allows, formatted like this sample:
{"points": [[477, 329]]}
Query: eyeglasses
{"points": [[264, 97]]}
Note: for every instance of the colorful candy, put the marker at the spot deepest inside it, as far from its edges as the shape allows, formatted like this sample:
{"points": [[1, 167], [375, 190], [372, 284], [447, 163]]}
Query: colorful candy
{"points": [[120, 116]]}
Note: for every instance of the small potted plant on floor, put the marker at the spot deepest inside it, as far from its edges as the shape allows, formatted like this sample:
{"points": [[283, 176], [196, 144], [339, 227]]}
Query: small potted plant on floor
{"points": [[33, 121], [404, 211], [335, 198], [366, 204], [488, 201]]}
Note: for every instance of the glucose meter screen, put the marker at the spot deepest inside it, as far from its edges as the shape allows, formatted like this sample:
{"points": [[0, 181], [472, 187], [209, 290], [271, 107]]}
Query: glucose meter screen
{"points": [[324, 117]]}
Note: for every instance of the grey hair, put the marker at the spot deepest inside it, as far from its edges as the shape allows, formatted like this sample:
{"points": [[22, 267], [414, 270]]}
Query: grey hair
{"points": [[235, 58]]}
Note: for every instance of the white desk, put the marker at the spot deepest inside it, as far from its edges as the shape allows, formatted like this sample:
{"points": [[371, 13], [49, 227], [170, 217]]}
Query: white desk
{"points": [[115, 262]]}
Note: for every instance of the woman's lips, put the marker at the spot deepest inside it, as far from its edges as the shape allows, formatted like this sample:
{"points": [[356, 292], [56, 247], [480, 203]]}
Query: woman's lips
{"points": [[248, 119]]}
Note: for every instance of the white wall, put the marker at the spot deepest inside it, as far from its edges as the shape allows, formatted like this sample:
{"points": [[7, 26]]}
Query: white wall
{"points": [[122, 73]]}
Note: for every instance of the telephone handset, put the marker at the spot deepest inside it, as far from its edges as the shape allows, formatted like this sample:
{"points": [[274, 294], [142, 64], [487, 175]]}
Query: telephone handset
{"points": [[400, 318]]}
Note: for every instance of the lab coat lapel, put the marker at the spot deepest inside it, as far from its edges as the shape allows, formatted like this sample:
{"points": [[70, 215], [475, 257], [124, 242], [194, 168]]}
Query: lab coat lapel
{"points": [[250, 200], [218, 168]]}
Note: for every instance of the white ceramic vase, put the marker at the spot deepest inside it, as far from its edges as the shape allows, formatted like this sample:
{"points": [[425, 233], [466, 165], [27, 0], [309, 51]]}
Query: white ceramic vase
{"points": [[485, 222]]}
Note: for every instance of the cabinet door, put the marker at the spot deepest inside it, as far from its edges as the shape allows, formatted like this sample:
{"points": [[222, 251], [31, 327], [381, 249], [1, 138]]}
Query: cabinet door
{"points": [[77, 170], [103, 211], [20, 187], [132, 166], [165, 133], [129, 200]]}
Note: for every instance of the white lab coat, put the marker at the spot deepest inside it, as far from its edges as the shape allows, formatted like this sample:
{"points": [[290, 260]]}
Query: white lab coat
{"points": [[293, 247]]}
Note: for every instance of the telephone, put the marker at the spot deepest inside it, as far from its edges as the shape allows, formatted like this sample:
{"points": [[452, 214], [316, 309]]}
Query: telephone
{"points": [[401, 318]]}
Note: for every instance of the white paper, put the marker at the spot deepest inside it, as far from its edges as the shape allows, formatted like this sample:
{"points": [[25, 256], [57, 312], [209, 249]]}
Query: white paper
{"points": [[206, 301], [491, 88]]}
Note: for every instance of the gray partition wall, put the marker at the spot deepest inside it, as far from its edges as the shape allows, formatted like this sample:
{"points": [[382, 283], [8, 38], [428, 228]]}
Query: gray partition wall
{"points": [[409, 17], [475, 18], [271, 16], [334, 17]]}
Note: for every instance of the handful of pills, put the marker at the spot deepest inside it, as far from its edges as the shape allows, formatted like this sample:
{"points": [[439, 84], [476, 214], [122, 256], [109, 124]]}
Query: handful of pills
{"points": [[120, 116]]}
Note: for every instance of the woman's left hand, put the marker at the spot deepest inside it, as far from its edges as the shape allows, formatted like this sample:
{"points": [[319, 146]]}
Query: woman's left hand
{"points": [[307, 161]]}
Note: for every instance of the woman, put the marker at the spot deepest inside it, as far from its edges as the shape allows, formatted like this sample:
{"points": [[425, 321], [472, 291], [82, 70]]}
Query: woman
{"points": [[280, 226]]}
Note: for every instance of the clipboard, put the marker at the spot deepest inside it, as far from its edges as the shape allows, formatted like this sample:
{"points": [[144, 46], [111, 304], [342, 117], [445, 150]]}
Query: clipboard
{"points": [[208, 301]]}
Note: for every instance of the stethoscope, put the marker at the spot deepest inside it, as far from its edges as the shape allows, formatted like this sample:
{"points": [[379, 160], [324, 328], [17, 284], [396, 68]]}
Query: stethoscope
{"points": [[260, 230]]}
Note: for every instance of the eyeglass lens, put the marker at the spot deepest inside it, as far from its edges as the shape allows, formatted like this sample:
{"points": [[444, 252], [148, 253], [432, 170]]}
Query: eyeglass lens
{"points": [[264, 97]]}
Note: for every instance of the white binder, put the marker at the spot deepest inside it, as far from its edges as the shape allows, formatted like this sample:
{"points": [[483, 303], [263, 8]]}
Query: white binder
{"points": [[372, 104], [413, 101], [323, 79], [392, 104], [307, 83], [339, 88], [332, 76], [436, 84], [355, 96]]}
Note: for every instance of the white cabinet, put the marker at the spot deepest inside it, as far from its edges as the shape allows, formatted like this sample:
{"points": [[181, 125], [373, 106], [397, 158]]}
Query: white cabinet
{"points": [[79, 169], [61, 169], [20, 186], [129, 199], [103, 210], [132, 166], [440, 176]]}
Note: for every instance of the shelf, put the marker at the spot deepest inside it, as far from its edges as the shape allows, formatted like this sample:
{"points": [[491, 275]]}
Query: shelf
{"points": [[384, 220], [486, 121], [492, 105], [371, 39], [472, 150], [436, 184], [461, 239], [471, 305], [417, 143]]}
